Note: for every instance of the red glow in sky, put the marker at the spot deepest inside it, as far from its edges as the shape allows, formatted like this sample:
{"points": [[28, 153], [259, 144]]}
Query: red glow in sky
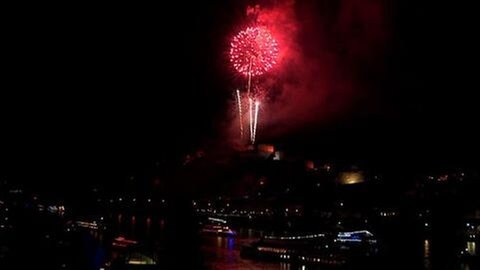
{"points": [[253, 50]]}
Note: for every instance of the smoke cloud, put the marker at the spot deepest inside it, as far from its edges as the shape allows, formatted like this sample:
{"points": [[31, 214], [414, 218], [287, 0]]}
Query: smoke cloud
{"points": [[331, 55]]}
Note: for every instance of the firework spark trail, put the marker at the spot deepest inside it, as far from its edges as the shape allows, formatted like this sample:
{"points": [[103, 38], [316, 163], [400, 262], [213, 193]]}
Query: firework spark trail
{"points": [[257, 105], [249, 82], [240, 113], [250, 118]]}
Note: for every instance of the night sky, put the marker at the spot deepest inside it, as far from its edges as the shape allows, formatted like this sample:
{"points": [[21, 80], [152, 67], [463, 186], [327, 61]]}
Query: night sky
{"points": [[91, 93]]}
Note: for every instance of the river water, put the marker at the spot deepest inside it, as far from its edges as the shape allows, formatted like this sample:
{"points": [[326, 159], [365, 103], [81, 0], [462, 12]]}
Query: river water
{"points": [[217, 252]]}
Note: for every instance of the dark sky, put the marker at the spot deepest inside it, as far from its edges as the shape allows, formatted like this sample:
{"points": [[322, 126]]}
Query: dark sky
{"points": [[91, 92]]}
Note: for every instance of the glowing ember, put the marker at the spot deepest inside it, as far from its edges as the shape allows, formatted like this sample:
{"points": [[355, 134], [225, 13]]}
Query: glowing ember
{"points": [[253, 51]]}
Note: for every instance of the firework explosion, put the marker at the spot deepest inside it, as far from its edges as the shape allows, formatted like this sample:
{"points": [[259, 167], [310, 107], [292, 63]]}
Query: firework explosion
{"points": [[253, 51]]}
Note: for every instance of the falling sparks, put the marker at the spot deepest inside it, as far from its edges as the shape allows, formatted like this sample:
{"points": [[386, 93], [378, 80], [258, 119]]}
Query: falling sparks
{"points": [[240, 113], [255, 122], [253, 51], [250, 118]]}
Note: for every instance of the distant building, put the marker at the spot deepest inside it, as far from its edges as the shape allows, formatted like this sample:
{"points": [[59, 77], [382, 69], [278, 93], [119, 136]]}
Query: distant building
{"points": [[279, 155], [351, 177], [310, 165], [266, 148]]}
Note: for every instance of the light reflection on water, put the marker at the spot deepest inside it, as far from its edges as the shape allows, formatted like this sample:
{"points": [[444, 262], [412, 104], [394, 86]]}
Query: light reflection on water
{"points": [[219, 252], [426, 248], [426, 255], [224, 252], [471, 248]]}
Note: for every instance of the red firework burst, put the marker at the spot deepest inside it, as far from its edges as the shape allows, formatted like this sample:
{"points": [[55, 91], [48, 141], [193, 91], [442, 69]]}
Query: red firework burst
{"points": [[253, 51]]}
